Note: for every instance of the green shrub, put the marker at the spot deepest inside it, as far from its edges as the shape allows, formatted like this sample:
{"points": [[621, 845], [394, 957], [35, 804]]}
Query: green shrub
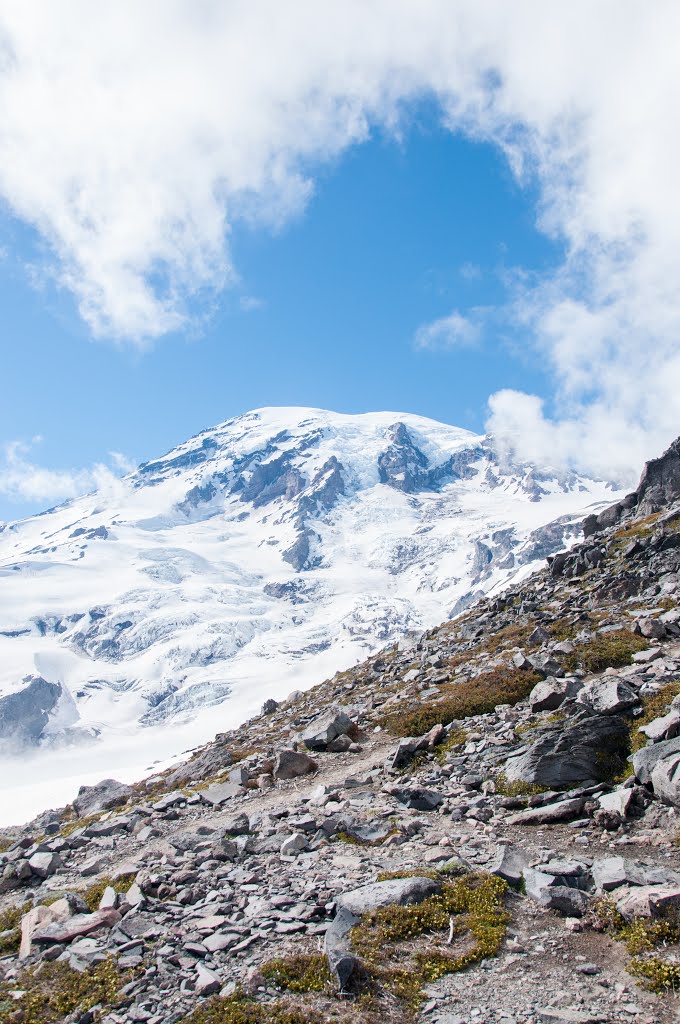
{"points": [[53, 991], [301, 973], [609, 650]]}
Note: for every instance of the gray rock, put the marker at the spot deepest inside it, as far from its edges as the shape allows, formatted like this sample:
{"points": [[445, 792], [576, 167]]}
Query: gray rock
{"points": [[645, 759], [666, 779], [508, 863], [45, 864], [292, 845], [564, 810], [24, 714], [92, 866], [290, 764], [653, 901], [551, 692], [608, 695], [546, 889], [220, 792], [651, 628], [325, 729], [207, 982], [343, 964], [617, 802], [664, 728], [102, 797], [612, 872], [570, 753], [416, 797]]}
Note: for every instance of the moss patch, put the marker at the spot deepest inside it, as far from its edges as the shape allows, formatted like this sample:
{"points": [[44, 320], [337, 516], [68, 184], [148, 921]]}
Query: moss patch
{"points": [[657, 975], [641, 937], [52, 991], [477, 696], [302, 973], [238, 1009]]}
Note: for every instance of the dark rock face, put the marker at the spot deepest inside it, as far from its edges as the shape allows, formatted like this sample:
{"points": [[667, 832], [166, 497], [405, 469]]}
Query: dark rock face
{"points": [[569, 754], [659, 486], [403, 465], [24, 715], [102, 797]]}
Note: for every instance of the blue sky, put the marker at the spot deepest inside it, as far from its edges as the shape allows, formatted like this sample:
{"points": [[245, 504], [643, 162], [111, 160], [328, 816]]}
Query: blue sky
{"points": [[468, 211], [397, 234]]}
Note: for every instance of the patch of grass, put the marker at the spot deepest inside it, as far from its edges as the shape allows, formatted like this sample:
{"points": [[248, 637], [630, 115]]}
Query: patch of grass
{"points": [[654, 705], [609, 650], [397, 956], [456, 738], [5, 843], [349, 837], [640, 528], [93, 894], [539, 722], [302, 973], [504, 787], [10, 925], [388, 876], [238, 1009], [53, 991], [71, 826], [477, 696]]}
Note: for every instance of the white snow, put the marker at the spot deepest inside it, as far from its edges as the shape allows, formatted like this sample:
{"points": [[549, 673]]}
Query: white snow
{"points": [[172, 602]]}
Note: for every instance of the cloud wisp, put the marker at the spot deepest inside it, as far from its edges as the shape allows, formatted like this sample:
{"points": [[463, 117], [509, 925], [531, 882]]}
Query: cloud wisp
{"points": [[449, 332], [133, 136], [24, 480]]}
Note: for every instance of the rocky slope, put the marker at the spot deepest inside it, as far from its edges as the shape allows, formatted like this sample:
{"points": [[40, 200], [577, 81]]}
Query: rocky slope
{"points": [[480, 825], [251, 560]]}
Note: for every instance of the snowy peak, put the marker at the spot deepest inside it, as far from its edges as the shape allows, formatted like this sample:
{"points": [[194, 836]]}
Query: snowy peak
{"points": [[258, 557]]}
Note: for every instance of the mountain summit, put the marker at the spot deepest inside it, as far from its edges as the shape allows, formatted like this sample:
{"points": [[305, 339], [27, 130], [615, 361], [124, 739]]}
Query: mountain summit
{"points": [[255, 558]]}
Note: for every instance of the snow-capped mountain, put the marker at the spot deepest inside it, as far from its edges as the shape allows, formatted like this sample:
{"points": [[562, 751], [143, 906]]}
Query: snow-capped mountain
{"points": [[256, 558]]}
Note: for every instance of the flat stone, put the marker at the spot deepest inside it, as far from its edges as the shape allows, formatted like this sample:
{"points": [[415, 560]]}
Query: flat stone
{"points": [[220, 792], [80, 924], [565, 810], [645, 759]]}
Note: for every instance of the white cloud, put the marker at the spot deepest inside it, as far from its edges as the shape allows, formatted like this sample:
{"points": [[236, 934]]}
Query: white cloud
{"points": [[21, 479], [133, 136], [449, 332]]}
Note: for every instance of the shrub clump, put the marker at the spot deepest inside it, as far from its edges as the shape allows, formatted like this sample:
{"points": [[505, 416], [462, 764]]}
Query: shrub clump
{"points": [[10, 927], [52, 991], [471, 908], [504, 787], [477, 696], [657, 975]]}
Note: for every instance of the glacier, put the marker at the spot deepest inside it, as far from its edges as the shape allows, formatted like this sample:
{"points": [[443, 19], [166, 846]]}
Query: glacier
{"points": [[258, 557]]}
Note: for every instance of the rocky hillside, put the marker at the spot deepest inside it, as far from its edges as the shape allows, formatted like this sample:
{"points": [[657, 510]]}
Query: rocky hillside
{"points": [[255, 558], [478, 826]]}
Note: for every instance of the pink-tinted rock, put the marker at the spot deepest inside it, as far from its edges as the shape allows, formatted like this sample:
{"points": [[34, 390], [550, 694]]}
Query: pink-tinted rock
{"points": [[81, 924]]}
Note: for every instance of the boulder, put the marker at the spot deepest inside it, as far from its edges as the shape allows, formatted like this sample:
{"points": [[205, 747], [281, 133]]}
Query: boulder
{"points": [[416, 797], [655, 901], [207, 982], [292, 845], [325, 729], [551, 692], [665, 779], [102, 797], [645, 759], [45, 864], [550, 891], [616, 802], [37, 918], [608, 695], [508, 863], [570, 753], [290, 764]]}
